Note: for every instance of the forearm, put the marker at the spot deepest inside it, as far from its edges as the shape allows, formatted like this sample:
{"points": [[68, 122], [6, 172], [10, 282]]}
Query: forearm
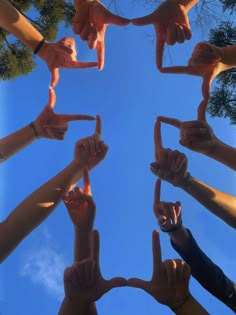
{"points": [[219, 203], [83, 244], [16, 142], [191, 306], [70, 309], [15, 23], [208, 274], [36, 208], [187, 3], [224, 153]]}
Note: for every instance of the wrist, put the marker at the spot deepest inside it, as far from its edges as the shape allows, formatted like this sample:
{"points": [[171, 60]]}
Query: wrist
{"points": [[43, 51], [179, 306], [33, 127], [184, 181]]}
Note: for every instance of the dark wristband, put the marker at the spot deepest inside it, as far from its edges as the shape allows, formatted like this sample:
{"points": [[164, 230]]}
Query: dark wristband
{"points": [[41, 43], [31, 125]]}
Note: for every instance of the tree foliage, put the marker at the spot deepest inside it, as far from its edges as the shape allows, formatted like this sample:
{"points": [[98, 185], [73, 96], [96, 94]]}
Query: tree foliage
{"points": [[16, 59]]}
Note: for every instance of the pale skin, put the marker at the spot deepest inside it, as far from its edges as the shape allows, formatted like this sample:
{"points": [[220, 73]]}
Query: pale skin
{"points": [[40, 204], [169, 284], [171, 24], [207, 61], [61, 54], [48, 125], [91, 21], [84, 284], [219, 203], [197, 135]]}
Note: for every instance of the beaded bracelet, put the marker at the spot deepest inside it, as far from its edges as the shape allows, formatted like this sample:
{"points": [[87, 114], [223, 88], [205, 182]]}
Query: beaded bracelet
{"points": [[41, 43], [31, 125]]}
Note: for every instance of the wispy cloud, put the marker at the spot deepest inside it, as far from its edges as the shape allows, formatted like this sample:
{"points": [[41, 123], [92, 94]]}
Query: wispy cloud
{"points": [[45, 266]]}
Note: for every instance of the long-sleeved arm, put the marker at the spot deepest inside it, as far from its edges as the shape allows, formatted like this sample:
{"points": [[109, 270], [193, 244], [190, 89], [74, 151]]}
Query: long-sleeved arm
{"points": [[36, 208], [208, 274], [16, 142], [15, 23], [219, 203]]}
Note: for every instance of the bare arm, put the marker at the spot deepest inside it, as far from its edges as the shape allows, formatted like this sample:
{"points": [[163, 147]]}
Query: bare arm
{"points": [[16, 142], [219, 203], [15, 23], [191, 306], [36, 208]]}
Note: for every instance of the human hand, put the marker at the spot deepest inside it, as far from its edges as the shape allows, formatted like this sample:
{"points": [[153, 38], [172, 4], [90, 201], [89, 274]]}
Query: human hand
{"points": [[84, 283], [168, 214], [54, 126], [169, 284], [91, 150], [171, 24], [90, 22], [195, 135], [62, 54], [80, 205], [204, 62], [170, 165]]}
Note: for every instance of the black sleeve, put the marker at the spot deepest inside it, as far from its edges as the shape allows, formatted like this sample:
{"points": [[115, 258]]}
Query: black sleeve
{"points": [[208, 274]]}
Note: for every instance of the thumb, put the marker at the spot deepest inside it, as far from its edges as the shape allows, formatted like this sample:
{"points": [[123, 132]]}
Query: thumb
{"points": [[51, 99], [116, 283], [145, 20], [170, 121], [55, 77], [202, 108], [111, 18], [137, 283]]}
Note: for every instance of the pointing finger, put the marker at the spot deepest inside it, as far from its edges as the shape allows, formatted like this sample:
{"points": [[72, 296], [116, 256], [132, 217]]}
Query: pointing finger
{"points": [[202, 108], [170, 121], [82, 65], [157, 138], [74, 117], [100, 53], [160, 44], [178, 70], [98, 129], [156, 249]]}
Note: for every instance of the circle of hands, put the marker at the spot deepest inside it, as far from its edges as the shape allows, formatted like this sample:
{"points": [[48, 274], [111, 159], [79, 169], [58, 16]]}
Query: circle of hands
{"points": [[83, 281]]}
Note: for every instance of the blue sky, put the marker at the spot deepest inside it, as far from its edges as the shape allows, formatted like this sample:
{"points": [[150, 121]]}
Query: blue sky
{"points": [[129, 94]]}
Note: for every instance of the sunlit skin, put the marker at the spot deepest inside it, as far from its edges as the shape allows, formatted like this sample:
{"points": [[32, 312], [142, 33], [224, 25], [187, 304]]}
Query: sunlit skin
{"points": [[204, 62], [169, 284], [91, 21], [167, 213], [171, 24], [170, 165], [84, 283], [196, 135], [54, 126], [62, 54]]}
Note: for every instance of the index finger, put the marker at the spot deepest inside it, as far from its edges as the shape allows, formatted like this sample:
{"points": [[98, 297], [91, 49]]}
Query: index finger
{"points": [[178, 70], [160, 44], [100, 53], [156, 250], [82, 64], [98, 129], [157, 192], [73, 117], [170, 121], [144, 20], [51, 99], [87, 187], [157, 138]]}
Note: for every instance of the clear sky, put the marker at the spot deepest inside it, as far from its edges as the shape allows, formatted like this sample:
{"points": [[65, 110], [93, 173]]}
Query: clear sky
{"points": [[129, 94]]}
